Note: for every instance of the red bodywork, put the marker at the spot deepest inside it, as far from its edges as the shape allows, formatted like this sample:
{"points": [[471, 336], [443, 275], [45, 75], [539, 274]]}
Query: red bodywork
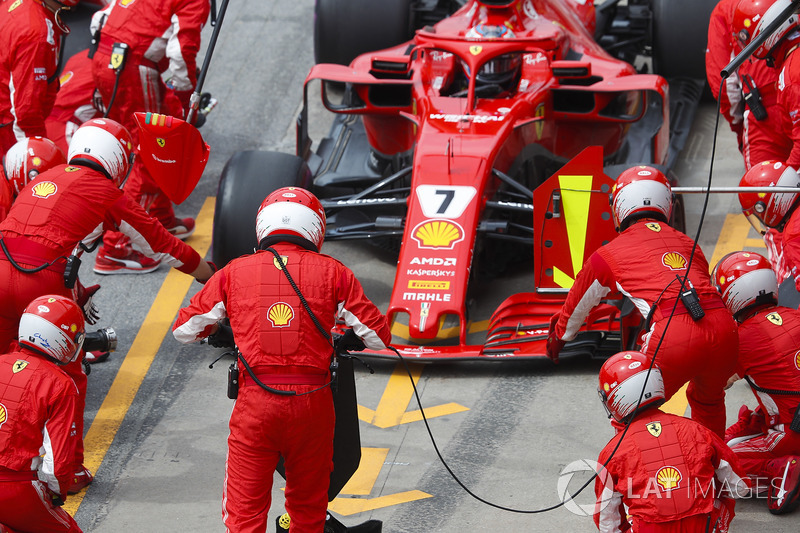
{"points": [[572, 101]]}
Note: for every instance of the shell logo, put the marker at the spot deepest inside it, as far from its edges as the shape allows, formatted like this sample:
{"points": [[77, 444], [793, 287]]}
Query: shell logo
{"points": [[44, 189], [668, 478], [280, 314], [3, 415], [438, 234], [797, 360], [673, 261], [65, 77]]}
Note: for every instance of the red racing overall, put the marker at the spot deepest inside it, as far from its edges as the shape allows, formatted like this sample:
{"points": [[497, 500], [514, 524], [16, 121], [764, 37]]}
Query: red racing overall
{"points": [[768, 354], [38, 406], [280, 342], [62, 207], [644, 263], [664, 476]]}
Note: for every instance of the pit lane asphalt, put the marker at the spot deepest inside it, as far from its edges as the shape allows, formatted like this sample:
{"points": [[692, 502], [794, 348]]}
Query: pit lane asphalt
{"points": [[514, 425]]}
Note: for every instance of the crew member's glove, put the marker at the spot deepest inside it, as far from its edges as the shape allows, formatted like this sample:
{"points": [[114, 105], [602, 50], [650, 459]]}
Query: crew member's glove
{"points": [[350, 342], [90, 310], [223, 338], [554, 344], [55, 498]]}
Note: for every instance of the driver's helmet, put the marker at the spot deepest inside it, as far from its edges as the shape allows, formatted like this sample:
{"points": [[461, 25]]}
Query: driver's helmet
{"points": [[28, 158], [624, 379], [751, 18], [766, 209], [291, 213], [503, 71], [745, 280], [54, 326], [640, 191], [105, 145]]}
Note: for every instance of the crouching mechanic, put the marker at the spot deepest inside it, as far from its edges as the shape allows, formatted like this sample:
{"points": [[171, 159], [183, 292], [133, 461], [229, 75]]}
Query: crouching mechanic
{"points": [[668, 474], [766, 440], [63, 208], [647, 263], [284, 339], [38, 405]]}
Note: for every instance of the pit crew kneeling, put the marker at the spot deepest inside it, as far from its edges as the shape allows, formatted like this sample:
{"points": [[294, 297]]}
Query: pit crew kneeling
{"points": [[669, 473], [38, 406], [282, 329], [766, 439]]}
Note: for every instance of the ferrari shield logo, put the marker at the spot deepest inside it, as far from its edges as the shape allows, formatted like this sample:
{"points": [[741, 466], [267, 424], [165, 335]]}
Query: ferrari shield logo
{"points": [[275, 262], [116, 60], [654, 428], [775, 318], [653, 226], [161, 142], [19, 366], [475, 49]]}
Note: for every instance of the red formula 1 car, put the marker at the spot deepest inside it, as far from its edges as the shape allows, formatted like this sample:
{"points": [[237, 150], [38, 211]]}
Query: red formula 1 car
{"points": [[489, 139]]}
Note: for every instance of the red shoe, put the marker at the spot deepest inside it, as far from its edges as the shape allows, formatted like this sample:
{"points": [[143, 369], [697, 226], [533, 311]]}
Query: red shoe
{"points": [[181, 227], [784, 489], [82, 479], [96, 357], [127, 261], [750, 424]]}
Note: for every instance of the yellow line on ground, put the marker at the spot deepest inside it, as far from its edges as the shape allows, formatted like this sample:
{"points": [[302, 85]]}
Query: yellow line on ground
{"points": [[140, 356]]}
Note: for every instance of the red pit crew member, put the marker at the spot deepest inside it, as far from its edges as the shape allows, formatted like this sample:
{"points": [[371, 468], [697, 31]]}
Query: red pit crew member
{"points": [[24, 161], [30, 41], [38, 406], [766, 440], [68, 205], [669, 474], [161, 35], [647, 263], [286, 351], [74, 102], [776, 211]]}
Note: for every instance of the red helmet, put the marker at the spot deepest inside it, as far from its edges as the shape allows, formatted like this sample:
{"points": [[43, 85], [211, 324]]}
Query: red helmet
{"points": [[622, 378], [294, 212], [766, 208], [105, 143], [745, 279], [751, 17], [54, 326], [28, 158], [641, 191]]}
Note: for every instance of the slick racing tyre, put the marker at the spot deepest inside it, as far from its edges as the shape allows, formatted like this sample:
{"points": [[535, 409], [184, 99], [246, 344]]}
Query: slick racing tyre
{"points": [[345, 29], [246, 180], [680, 36]]}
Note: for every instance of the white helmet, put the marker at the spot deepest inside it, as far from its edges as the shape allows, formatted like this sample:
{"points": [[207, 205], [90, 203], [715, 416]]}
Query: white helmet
{"points": [[745, 280], [622, 379], [103, 143], [640, 191], [291, 212], [53, 325]]}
